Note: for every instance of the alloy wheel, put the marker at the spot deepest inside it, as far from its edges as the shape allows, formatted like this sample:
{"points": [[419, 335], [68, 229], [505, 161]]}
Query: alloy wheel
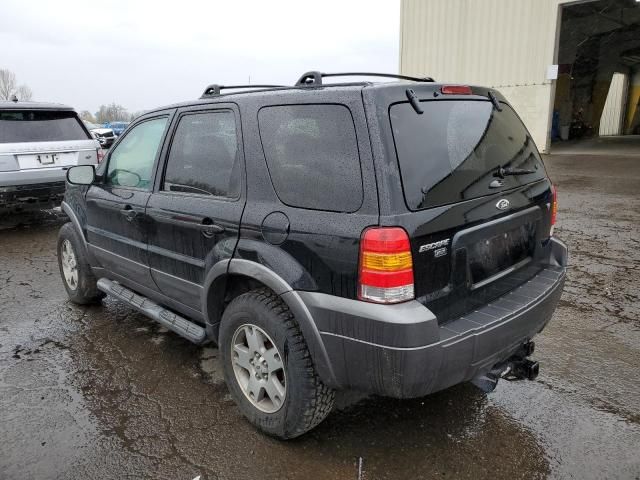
{"points": [[69, 265], [259, 368]]}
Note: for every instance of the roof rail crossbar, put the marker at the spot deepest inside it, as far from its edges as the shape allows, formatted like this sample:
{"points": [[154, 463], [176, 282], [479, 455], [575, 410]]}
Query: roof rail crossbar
{"points": [[215, 89], [315, 78]]}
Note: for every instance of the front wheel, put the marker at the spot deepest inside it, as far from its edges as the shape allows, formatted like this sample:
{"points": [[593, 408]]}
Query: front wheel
{"points": [[268, 368], [77, 277]]}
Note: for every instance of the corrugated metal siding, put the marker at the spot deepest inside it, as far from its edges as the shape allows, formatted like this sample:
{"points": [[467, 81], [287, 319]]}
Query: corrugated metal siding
{"points": [[612, 117], [506, 44], [488, 42]]}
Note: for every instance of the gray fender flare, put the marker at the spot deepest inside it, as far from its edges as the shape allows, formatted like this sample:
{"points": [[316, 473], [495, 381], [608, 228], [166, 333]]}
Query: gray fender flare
{"points": [[76, 224], [289, 296]]}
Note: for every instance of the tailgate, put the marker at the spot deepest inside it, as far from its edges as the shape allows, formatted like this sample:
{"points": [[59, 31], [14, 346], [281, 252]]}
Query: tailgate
{"points": [[36, 155], [460, 266], [477, 196]]}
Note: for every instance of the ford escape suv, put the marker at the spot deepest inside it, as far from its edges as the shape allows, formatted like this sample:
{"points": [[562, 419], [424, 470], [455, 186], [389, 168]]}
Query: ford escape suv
{"points": [[394, 238], [38, 142]]}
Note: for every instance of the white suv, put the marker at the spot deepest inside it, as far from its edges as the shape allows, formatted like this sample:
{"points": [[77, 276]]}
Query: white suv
{"points": [[38, 143]]}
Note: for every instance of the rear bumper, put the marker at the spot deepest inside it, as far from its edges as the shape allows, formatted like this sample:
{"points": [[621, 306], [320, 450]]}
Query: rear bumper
{"points": [[401, 351], [29, 197], [32, 177]]}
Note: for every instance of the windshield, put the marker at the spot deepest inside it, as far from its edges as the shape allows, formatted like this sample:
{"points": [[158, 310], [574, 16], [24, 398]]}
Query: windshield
{"points": [[454, 151], [39, 126]]}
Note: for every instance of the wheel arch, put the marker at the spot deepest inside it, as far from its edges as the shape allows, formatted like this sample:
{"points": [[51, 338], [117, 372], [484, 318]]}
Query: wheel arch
{"points": [[80, 230], [229, 278]]}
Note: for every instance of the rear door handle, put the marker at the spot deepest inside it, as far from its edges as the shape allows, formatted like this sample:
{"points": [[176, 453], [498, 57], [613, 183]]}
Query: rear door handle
{"points": [[129, 213]]}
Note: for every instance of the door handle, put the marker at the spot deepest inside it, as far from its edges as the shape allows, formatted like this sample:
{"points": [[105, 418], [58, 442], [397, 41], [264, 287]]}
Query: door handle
{"points": [[129, 213], [209, 229]]}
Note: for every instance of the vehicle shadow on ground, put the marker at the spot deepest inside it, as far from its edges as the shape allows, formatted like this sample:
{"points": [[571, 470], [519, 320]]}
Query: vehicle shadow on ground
{"points": [[148, 387], [140, 401], [30, 219]]}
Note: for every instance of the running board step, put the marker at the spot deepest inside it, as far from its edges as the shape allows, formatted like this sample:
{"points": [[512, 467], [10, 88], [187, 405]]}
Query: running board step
{"points": [[183, 327]]}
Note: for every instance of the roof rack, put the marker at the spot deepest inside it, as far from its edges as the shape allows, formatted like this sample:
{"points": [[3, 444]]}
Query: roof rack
{"points": [[315, 78], [215, 89], [308, 79]]}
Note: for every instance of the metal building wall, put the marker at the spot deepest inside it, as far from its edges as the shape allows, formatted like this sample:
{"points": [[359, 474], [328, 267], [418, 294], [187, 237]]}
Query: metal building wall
{"points": [[506, 44]]}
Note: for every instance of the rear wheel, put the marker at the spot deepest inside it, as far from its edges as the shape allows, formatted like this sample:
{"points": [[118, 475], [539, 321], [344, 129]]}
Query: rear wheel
{"points": [[77, 277], [268, 368]]}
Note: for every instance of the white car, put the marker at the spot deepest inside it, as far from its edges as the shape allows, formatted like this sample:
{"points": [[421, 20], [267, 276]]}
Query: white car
{"points": [[105, 136], [38, 143]]}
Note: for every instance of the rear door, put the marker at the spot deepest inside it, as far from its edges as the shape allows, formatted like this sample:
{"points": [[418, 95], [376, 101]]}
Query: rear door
{"points": [[116, 222], [477, 197], [196, 209]]}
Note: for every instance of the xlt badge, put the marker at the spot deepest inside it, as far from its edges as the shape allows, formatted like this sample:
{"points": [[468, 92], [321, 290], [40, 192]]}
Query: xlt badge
{"points": [[435, 245]]}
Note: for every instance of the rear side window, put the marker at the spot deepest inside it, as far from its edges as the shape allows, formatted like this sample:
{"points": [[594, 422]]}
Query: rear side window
{"points": [[452, 152], [312, 155], [39, 126], [204, 156]]}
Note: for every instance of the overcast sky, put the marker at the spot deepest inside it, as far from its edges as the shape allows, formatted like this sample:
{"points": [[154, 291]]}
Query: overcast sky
{"points": [[142, 54]]}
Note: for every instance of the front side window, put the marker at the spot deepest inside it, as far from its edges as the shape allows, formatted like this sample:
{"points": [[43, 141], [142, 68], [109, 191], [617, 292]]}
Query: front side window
{"points": [[312, 155], [131, 163], [204, 156]]}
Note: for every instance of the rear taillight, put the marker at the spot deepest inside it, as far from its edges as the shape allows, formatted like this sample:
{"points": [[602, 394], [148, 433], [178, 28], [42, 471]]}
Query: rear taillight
{"points": [[456, 90], [99, 154], [386, 267], [554, 208]]}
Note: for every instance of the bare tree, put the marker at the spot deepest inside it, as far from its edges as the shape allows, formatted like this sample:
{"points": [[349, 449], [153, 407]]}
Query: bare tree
{"points": [[24, 93], [87, 116], [9, 87], [7, 84], [135, 115], [112, 113]]}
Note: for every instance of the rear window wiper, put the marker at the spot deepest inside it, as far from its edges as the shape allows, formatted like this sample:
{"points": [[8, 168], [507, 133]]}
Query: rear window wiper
{"points": [[505, 172], [414, 101], [494, 100]]}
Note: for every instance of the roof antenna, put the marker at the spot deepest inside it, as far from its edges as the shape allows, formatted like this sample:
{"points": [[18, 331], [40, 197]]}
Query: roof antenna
{"points": [[14, 98]]}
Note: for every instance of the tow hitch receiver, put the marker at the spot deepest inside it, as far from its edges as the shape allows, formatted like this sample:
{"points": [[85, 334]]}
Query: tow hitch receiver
{"points": [[517, 367]]}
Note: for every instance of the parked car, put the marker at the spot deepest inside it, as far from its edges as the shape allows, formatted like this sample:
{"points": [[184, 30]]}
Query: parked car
{"points": [[105, 136], [38, 142], [393, 238], [117, 127]]}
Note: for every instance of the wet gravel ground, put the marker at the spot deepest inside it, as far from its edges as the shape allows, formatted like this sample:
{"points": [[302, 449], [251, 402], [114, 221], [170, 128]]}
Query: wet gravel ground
{"points": [[102, 392]]}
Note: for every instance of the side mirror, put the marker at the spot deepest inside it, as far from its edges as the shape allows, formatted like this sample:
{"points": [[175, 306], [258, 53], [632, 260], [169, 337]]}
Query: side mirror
{"points": [[81, 175]]}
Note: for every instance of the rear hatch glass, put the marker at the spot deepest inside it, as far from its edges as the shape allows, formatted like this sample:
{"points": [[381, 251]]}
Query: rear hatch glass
{"points": [[18, 126], [455, 149]]}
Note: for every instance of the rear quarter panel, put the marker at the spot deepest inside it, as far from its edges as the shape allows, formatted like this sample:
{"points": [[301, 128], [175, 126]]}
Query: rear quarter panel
{"points": [[311, 249]]}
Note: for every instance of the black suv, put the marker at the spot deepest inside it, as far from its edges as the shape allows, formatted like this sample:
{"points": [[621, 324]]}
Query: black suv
{"points": [[393, 238]]}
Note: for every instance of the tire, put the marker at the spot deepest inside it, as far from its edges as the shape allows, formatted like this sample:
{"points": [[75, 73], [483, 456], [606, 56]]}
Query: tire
{"points": [[81, 289], [307, 401]]}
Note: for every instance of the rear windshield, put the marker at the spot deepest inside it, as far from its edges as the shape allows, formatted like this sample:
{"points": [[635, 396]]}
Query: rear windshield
{"points": [[39, 126], [453, 151]]}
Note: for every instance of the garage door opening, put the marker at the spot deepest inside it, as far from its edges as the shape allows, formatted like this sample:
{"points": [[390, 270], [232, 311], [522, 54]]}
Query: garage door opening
{"points": [[597, 92]]}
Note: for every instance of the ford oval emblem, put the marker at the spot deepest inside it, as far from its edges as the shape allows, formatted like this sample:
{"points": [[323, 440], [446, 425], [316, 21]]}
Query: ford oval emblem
{"points": [[502, 204]]}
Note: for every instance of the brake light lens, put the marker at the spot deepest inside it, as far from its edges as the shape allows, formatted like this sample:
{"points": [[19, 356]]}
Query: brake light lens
{"points": [[456, 90], [554, 208], [100, 154], [386, 266]]}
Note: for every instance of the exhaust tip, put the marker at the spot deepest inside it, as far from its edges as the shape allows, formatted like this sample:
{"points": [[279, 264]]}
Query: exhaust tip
{"points": [[487, 382]]}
